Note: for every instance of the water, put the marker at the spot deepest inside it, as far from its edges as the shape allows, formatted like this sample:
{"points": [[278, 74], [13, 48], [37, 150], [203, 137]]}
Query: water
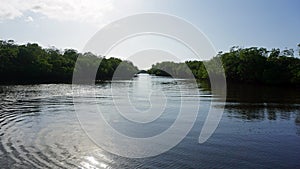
{"points": [[260, 127]]}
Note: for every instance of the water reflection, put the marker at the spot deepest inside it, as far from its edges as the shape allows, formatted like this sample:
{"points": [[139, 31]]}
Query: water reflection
{"points": [[260, 128], [246, 93], [255, 102], [266, 111]]}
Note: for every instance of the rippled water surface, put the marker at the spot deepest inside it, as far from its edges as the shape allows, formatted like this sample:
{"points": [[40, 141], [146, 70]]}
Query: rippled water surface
{"points": [[260, 127]]}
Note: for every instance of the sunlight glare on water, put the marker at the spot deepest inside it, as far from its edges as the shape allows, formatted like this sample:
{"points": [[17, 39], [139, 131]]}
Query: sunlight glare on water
{"points": [[39, 127]]}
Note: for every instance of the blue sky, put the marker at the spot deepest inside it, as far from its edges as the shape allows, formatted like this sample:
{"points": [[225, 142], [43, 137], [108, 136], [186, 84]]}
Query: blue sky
{"points": [[71, 23]]}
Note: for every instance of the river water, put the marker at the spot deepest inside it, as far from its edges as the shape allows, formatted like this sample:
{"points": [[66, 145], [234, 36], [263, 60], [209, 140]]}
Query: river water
{"points": [[39, 128]]}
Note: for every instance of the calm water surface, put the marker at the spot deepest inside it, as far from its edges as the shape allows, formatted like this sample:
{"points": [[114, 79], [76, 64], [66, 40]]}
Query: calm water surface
{"points": [[260, 127]]}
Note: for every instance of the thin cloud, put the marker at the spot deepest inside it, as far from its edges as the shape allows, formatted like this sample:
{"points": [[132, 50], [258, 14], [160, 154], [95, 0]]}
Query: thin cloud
{"points": [[62, 10], [29, 19]]}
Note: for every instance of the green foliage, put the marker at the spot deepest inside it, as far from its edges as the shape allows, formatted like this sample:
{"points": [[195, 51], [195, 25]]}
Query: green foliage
{"points": [[33, 64], [178, 70], [198, 69], [258, 65], [247, 65]]}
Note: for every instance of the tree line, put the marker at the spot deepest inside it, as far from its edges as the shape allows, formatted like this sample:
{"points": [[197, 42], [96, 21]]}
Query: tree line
{"points": [[33, 64], [245, 65]]}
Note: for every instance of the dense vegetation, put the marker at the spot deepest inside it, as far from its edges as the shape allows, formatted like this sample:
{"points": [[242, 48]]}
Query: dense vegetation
{"points": [[31, 63], [247, 65]]}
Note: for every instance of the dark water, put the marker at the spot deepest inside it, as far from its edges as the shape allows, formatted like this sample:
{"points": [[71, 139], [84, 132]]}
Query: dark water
{"points": [[260, 128]]}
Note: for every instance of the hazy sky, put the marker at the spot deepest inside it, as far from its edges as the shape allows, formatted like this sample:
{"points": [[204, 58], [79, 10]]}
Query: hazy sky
{"points": [[71, 23]]}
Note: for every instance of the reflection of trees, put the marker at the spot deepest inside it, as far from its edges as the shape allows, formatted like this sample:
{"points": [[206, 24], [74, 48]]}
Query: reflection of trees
{"points": [[246, 93], [297, 122], [254, 102], [297, 119], [266, 111], [245, 111], [272, 115]]}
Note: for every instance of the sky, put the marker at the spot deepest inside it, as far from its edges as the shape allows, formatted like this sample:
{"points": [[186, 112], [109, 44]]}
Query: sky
{"points": [[226, 23]]}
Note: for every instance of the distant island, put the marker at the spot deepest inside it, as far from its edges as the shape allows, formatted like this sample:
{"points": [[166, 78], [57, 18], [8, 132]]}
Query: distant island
{"points": [[31, 63]]}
